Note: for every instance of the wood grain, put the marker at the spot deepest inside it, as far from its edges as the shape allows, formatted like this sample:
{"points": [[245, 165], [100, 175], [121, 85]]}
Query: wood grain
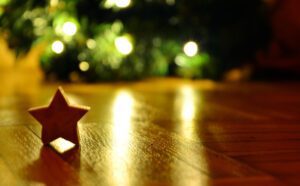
{"points": [[158, 132]]}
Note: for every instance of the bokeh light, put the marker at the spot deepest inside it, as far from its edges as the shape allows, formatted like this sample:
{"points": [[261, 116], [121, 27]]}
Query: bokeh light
{"points": [[54, 2], [84, 66], [123, 45], [57, 47], [122, 3], [117, 3], [190, 48], [91, 43], [69, 28]]}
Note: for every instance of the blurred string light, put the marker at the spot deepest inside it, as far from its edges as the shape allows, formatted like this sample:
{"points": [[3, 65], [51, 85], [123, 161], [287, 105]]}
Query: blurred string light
{"points": [[123, 45], [57, 47], [180, 60], [190, 48], [190, 62], [54, 2], [122, 3], [65, 25], [117, 3], [84, 66], [69, 28], [91, 43]]}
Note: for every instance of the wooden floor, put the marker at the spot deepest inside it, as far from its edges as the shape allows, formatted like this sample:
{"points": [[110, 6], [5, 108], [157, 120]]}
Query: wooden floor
{"points": [[157, 132]]}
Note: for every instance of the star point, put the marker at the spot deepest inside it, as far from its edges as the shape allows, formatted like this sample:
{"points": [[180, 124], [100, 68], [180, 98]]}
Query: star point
{"points": [[59, 119]]}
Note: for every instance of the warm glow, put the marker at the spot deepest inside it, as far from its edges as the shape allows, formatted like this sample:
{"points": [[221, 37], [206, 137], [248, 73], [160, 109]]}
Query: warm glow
{"points": [[109, 3], [117, 3], [188, 104], [61, 145], [54, 2], [180, 60], [84, 66], [122, 110], [58, 47], [123, 45], [121, 139], [91, 43], [190, 48], [69, 28], [122, 3]]}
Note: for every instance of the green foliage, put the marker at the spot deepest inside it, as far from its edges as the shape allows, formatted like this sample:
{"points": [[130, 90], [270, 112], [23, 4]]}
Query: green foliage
{"points": [[228, 33]]}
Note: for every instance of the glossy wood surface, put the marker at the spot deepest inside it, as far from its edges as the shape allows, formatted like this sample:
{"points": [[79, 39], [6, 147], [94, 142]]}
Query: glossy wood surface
{"points": [[157, 132]]}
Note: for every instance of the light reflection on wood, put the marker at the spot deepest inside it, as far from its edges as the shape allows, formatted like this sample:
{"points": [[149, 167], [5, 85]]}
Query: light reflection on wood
{"points": [[122, 114], [163, 132], [187, 103], [62, 145]]}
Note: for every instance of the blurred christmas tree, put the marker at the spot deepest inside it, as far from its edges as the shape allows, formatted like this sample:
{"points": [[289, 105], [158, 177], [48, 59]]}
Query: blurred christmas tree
{"points": [[95, 40]]}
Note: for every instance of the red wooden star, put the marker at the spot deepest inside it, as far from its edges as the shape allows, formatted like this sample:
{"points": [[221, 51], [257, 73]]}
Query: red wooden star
{"points": [[59, 119]]}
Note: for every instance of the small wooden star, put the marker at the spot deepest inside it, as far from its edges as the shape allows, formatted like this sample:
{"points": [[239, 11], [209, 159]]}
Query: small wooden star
{"points": [[59, 119]]}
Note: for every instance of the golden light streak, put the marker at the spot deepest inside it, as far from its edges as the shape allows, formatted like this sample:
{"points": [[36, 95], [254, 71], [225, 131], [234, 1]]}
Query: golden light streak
{"points": [[187, 105], [122, 114]]}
